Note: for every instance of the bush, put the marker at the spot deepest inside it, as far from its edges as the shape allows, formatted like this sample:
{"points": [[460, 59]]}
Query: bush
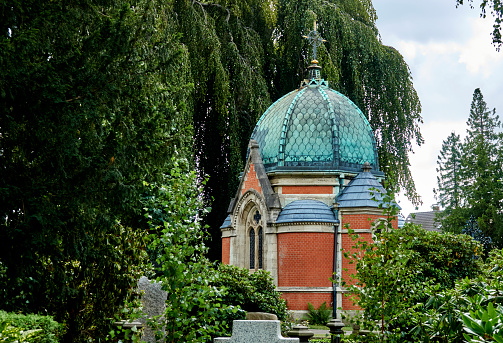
{"points": [[252, 292], [319, 316], [41, 329], [464, 311], [394, 272]]}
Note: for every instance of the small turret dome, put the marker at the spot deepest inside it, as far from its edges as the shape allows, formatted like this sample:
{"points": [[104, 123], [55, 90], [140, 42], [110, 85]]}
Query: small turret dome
{"points": [[315, 128]]}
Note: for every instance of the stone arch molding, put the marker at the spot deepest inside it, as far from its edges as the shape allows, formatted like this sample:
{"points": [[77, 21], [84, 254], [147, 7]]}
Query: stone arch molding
{"points": [[250, 202], [251, 198]]}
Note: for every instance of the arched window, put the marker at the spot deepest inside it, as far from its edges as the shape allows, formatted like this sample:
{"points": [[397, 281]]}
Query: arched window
{"points": [[252, 248], [255, 240]]}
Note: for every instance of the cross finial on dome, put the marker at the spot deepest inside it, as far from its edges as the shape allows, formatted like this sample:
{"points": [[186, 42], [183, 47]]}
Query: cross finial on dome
{"points": [[316, 40]]}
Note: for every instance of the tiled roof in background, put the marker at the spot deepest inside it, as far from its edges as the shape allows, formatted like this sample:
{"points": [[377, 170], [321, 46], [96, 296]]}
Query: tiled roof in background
{"points": [[425, 219]]}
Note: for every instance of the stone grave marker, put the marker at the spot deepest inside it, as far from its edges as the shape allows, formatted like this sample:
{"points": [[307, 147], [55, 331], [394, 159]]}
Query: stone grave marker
{"points": [[154, 304], [256, 331]]}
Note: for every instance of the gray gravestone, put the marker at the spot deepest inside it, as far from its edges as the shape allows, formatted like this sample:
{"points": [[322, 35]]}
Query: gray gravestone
{"points": [[154, 304], [256, 331]]}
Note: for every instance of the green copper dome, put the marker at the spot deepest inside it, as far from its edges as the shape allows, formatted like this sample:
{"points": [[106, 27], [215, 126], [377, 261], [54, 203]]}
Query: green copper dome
{"points": [[315, 128]]}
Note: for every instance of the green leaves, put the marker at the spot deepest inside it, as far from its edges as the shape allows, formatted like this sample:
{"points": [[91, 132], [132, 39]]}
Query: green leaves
{"points": [[399, 271], [91, 111], [319, 316], [469, 172], [375, 77]]}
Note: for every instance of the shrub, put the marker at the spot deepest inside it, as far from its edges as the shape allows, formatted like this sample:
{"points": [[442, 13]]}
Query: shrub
{"points": [[30, 328], [467, 311], [394, 272], [252, 292], [319, 316], [194, 311]]}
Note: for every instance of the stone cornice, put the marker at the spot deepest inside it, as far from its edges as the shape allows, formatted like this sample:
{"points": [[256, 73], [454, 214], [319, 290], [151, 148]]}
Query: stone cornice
{"points": [[306, 289]]}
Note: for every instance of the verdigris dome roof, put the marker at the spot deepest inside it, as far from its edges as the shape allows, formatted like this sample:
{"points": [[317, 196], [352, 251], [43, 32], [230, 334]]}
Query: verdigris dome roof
{"points": [[315, 127], [306, 211]]}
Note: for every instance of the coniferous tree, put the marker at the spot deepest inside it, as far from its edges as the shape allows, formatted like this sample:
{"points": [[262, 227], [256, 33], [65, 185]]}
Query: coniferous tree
{"points": [[88, 112], [449, 180], [481, 170]]}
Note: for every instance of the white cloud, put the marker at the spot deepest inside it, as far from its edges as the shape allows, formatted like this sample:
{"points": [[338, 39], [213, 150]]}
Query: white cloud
{"points": [[424, 161], [478, 54], [449, 53]]}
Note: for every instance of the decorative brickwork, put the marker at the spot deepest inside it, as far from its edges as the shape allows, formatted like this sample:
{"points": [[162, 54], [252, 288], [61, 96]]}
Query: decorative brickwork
{"points": [[307, 190], [251, 181], [298, 301], [305, 259], [226, 250]]}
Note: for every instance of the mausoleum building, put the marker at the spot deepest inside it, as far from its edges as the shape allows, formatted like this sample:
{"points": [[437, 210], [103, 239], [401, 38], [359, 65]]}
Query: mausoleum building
{"points": [[312, 167]]}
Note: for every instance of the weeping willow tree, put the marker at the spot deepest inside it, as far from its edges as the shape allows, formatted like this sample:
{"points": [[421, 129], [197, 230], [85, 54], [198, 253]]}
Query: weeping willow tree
{"points": [[374, 76], [246, 54]]}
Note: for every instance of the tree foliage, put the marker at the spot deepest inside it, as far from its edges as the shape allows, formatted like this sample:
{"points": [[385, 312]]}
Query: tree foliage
{"points": [[177, 236], [449, 169], [480, 171], [357, 64], [495, 8], [450, 182], [89, 110], [231, 52]]}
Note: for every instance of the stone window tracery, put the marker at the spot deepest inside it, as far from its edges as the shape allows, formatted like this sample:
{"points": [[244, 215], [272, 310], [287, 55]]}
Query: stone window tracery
{"points": [[255, 240]]}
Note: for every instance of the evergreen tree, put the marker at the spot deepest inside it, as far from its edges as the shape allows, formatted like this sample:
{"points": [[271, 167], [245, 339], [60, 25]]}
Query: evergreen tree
{"points": [[88, 112], [448, 192], [449, 181], [481, 168]]}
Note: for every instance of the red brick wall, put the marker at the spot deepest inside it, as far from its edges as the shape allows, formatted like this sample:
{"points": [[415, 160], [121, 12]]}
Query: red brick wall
{"points": [[361, 221], [226, 250], [298, 301], [355, 221], [251, 181], [307, 190], [347, 302], [305, 259]]}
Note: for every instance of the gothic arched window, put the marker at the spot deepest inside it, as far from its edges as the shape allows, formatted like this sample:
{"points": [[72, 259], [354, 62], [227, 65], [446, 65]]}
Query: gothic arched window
{"points": [[252, 248], [256, 241]]}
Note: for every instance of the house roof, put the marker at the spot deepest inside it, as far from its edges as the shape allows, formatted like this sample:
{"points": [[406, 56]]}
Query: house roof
{"points": [[425, 219], [315, 128]]}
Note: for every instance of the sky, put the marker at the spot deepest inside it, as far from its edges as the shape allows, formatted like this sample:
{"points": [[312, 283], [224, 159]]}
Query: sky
{"points": [[449, 52]]}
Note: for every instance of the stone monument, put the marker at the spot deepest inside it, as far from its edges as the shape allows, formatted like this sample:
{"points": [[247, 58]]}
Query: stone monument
{"points": [[256, 331], [154, 304]]}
